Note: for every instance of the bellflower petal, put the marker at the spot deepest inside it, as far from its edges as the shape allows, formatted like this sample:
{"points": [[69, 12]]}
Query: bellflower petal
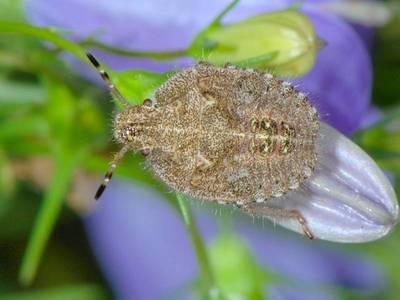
{"points": [[342, 72], [281, 254], [348, 199], [155, 25], [282, 292], [142, 243], [145, 252], [340, 82], [368, 13]]}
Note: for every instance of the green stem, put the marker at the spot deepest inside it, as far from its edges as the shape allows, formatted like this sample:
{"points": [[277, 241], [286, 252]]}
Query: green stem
{"points": [[43, 33], [165, 55], [209, 287], [222, 14], [198, 43], [64, 166]]}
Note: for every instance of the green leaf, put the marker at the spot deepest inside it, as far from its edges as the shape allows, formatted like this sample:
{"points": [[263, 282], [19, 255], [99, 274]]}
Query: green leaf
{"points": [[137, 85], [65, 163]]}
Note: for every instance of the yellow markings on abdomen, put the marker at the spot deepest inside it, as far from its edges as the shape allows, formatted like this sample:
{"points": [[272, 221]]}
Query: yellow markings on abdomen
{"points": [[270, 138]]}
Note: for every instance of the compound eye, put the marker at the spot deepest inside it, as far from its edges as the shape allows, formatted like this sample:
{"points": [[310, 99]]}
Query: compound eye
{"points": [[145, 151], [148, 103]]}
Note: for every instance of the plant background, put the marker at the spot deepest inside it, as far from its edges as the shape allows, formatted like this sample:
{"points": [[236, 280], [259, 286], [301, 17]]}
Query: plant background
{"points": [[53, 123]]}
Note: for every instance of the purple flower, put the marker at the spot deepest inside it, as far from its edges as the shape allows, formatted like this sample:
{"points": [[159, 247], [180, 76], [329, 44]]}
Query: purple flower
{"points": [[341, 76], [146, 253]]}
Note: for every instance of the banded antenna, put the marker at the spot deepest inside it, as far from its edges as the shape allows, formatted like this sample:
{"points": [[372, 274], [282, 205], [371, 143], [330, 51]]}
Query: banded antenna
{"points": [[104, 75], [117, 94]]}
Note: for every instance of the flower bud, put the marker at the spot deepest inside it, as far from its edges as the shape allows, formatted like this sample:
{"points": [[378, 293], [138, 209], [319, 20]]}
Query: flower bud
{"points": [[283, 41], [348, 199]]}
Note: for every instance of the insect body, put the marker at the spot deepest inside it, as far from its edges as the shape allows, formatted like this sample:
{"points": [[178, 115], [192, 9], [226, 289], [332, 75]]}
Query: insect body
{"points": [[236, 136]]}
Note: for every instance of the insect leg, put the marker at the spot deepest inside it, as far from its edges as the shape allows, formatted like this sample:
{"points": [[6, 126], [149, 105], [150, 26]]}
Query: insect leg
{"points": [[109, 174], [104, 75], [278, 212]]}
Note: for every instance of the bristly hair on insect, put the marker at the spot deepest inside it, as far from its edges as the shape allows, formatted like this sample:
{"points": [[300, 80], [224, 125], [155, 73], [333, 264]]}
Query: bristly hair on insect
{"points": [[226, 134]]}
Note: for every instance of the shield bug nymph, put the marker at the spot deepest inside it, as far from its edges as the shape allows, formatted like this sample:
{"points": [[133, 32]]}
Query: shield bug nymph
{"points": [[236, 136]]}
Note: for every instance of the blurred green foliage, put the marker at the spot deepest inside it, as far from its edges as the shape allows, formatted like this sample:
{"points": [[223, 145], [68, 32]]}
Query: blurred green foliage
{"points": [[138, 85], [47, 110], [386, 60], [87, 292], [237, 273]]}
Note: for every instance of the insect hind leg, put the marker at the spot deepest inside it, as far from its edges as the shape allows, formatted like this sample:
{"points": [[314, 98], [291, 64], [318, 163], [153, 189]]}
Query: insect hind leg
{"points": [[277, 212], [110, 171]]}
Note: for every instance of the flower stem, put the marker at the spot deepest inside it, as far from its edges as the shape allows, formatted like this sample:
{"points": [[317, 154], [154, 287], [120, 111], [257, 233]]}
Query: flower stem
{"points": [[65, 164], [159, 55], [217, 20], [43, 33], [164, 55], [209, 287]]}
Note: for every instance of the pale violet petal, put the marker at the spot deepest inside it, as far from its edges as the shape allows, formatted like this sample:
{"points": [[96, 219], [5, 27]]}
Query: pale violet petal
{"points": [[367, 13], [348, 199]]}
